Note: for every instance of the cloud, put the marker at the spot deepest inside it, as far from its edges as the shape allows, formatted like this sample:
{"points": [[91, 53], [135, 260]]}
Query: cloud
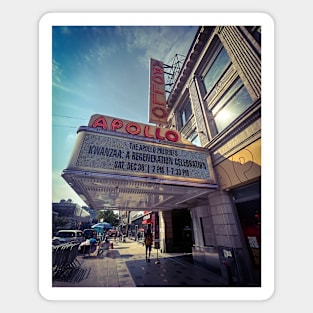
{"points": [[70, 139], [56, 72], [59, 81], [65, 30], [99, 54], [160, 42], [61, 187]]}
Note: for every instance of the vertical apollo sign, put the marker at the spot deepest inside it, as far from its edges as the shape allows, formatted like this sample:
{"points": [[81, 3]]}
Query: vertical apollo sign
{"points": [[158, 111]]}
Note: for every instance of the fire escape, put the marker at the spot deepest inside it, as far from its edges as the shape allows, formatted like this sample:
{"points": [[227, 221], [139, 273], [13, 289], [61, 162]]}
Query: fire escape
{"points": [[171, 71]]}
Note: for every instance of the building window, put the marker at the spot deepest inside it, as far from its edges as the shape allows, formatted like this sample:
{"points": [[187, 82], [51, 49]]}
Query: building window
{"points": [[216, 70], [233, 103], [194, 138], [255, 31], [185, 113]]}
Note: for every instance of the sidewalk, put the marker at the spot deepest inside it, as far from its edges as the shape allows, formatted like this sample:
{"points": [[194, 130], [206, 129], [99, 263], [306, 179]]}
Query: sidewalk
{"points": [[125, 266]]}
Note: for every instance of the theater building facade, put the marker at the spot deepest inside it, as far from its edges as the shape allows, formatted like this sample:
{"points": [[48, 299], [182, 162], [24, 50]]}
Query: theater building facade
{"points": [[198, 170], [216, 104]]}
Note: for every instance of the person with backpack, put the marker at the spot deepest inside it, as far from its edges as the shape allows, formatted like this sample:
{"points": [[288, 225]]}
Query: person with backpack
{"points": [[148, 243]]}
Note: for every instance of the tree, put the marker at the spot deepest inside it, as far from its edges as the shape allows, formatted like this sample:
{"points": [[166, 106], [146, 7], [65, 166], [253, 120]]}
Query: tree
{"points": [[108, 216], [60, 223], [85, 225]]}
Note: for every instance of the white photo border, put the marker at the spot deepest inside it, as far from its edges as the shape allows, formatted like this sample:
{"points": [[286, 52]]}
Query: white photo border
{"points": [[45, 156]]}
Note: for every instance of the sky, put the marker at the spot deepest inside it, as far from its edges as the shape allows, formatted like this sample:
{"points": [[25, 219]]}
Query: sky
{"points": [[103, 70]]}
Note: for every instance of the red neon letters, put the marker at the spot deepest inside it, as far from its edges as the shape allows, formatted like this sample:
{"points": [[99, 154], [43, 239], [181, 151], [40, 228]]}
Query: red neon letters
{"points": [[133, 128]]}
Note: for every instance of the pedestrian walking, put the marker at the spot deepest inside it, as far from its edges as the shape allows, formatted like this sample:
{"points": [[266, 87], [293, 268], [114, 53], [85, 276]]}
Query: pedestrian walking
{"points": [[148, 243]]}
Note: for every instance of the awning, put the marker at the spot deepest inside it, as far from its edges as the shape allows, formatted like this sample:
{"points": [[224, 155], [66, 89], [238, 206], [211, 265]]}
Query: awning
{"points": [[103, 191]]}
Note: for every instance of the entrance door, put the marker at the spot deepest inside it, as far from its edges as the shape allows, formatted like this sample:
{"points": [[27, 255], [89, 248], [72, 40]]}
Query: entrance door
{"points": [[182, 233]]}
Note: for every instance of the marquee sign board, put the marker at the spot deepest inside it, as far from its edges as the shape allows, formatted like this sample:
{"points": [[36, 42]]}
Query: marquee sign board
{"points": [[114, 153]]}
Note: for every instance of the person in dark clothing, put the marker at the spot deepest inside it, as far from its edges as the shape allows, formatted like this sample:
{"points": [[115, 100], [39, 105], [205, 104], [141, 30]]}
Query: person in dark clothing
{"points": [[148, 243]]}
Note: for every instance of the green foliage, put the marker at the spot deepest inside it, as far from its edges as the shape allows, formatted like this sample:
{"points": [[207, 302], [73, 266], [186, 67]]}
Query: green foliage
{"points": [[108, 216], [60, 222], [85, 225]]}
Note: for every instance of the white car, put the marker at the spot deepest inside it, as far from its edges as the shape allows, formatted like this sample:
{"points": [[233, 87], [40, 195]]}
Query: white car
{"points": [[68, 235]]}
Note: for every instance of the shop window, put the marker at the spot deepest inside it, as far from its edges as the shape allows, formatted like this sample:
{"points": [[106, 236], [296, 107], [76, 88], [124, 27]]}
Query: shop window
{"points": [[248, 204], [249, 213], [233, 103], [241, 194]]}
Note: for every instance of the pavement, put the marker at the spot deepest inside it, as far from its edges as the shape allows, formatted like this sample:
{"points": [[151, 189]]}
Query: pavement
{"points": [[125, 266]]}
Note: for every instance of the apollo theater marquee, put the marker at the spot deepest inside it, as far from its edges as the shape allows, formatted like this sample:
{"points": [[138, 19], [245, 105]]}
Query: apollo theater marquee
{"points": [[121, 164]]}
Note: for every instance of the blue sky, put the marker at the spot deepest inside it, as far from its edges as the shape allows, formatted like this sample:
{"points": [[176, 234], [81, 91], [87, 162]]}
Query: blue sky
{"points": [[103, 70]]}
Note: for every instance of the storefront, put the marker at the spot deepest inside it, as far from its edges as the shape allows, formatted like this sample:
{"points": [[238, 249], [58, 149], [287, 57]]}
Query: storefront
{"points": [[215, 102]]}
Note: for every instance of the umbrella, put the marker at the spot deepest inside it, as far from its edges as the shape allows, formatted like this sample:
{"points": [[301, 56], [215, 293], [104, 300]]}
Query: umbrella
{"points": [[103, 225]]}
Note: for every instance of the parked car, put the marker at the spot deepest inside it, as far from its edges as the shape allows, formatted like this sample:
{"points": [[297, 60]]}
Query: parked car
{"points": [[67, 235], [89, 233]]}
